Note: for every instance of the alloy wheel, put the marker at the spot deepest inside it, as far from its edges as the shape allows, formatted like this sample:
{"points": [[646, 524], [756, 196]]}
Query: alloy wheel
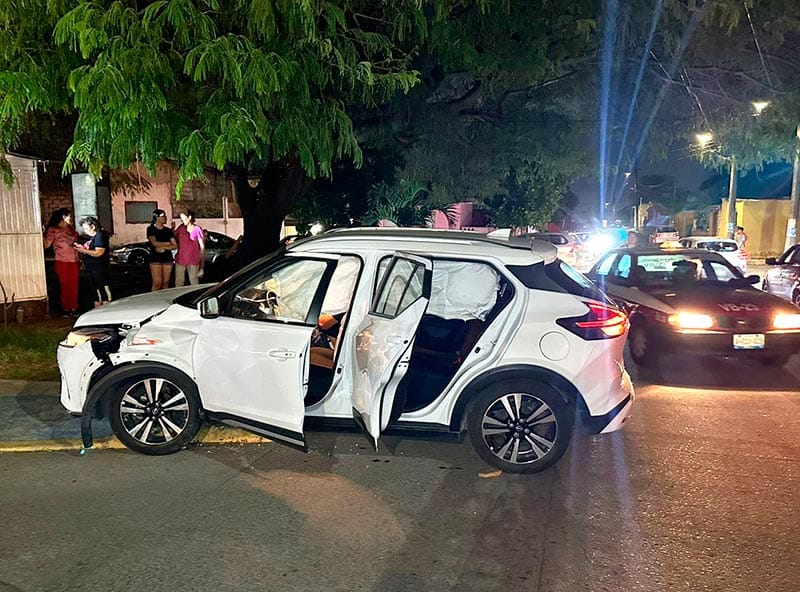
{"points": [[154, 411], [519, 428]]}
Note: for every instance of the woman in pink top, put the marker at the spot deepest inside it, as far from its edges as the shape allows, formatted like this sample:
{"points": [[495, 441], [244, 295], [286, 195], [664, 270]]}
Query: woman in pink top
{"points": [[191, 251], [62, 236]]}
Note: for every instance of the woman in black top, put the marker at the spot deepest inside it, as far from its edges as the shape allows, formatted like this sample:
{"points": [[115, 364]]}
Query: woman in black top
{"points": [[162, 243], [95, 260]]}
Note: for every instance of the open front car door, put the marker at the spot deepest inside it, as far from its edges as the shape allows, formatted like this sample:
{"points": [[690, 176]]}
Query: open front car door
{"points": [[385, 339], [252, 360]]}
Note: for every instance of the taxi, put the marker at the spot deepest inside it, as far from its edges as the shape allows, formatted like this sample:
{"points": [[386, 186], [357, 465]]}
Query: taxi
{"points": [[694, 301]]}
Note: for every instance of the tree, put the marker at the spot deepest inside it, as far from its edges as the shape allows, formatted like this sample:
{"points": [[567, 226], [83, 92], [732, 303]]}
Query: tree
{"points": [[262, 89], [493, 119]]}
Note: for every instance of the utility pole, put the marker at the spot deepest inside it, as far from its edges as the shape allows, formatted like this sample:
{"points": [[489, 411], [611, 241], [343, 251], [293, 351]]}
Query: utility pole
{"points": [[732, 199], [794, 206]]}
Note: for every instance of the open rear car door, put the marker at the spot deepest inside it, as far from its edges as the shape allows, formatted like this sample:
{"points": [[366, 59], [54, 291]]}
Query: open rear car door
{"points": [[385, 339]]}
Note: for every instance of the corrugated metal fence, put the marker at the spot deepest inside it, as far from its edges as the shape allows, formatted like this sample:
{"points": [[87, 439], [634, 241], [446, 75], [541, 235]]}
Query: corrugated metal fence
{"points": [[21, 253]]}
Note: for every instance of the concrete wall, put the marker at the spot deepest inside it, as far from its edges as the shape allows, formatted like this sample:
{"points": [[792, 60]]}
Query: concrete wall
{"points": [[764, 221]]}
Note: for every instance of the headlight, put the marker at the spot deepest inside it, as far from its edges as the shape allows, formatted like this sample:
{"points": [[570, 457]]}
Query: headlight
{"points": [[786, 321], [688, 320], [81, 336]]}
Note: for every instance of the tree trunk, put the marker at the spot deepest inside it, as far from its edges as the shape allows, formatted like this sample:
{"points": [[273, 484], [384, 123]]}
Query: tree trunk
{"points": [[265, 206]]}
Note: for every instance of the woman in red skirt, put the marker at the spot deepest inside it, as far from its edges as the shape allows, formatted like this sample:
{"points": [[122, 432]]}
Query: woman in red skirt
{"points": [[61, 235]]}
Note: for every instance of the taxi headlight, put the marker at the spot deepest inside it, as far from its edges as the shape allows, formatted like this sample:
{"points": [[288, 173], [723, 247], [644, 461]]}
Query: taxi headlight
{"points": [[81, 336], [689, 320], [786, 321]]}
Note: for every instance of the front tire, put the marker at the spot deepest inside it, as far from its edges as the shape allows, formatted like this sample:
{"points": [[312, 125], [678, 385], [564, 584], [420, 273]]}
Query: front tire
{"points": [[639, 344], [520, 426], [155, 411]]}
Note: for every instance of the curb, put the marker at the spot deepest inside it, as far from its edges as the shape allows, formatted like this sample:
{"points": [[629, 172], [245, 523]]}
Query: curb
{"points": [[207, 436]]}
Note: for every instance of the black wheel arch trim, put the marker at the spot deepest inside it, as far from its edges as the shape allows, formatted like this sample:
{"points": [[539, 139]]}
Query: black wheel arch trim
{"points": [[595, 424], [98, 387], [567, 390]]}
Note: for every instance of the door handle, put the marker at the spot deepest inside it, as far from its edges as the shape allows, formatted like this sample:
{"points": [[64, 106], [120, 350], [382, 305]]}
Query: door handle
{"points": [[395, 340], [281, 354]]}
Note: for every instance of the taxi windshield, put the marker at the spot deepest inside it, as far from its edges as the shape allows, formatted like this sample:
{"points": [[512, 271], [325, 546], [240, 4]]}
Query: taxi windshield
{"points": [[684, 268]]}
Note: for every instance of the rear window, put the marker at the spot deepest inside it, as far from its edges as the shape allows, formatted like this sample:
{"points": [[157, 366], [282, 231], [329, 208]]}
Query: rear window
{"points": [[557, 277], [719, 246]]}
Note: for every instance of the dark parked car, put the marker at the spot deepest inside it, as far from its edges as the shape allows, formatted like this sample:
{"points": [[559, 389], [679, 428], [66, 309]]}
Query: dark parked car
{"points": [[783, 276], [138, 254]]}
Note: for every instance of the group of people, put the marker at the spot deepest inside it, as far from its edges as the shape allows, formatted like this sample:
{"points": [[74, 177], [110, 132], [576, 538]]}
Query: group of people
{"points": [[187, 239], [61, 235]]}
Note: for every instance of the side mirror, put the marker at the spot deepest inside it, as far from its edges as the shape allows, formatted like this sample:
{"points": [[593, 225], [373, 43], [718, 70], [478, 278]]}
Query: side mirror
{"points": [[209, 308], [771, 261], [753, 279]]}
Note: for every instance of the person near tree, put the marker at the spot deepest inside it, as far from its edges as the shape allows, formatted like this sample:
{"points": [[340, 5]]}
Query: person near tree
{"points": [[61, 235], [162, 242], [96, 259], [191, 250]]}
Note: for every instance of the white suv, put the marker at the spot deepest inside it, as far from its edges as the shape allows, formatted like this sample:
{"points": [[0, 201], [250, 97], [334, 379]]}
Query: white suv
{"points": [[421, 330]]}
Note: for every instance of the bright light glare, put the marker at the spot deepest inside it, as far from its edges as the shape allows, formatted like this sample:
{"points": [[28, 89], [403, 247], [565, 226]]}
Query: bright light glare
{"points": [[316, 228], [601, 243], [759, 106], [704, 138], [689, 320], [786, 321]]}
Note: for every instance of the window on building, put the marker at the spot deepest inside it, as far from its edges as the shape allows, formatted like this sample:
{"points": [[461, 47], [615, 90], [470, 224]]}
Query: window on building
{"points": [[139, 212]]}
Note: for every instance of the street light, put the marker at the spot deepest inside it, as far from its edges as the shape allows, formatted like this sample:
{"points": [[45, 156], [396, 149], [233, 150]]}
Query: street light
{"points": [[704, 139], [759, 106]]}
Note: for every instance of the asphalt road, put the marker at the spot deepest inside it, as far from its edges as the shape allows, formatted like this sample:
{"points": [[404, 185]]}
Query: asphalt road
{"points": [[699, 492]]}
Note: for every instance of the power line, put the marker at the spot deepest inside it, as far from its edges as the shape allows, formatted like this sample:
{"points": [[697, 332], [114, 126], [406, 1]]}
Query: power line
{"points": [[758, 47]]}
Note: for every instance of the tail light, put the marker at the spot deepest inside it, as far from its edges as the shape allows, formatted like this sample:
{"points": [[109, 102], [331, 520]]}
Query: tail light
{"points": [[601, 322]]}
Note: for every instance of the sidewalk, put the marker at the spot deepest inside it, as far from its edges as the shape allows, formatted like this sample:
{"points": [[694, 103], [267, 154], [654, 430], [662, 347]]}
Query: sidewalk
{"points": [[33, 420]]}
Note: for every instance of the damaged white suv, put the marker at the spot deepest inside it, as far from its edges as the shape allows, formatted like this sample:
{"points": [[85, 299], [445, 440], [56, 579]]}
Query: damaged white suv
{"points": [[393, 329]]}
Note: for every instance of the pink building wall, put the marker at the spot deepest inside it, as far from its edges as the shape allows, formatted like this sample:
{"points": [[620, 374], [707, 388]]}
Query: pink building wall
{"points": [[195, 196], [462, 214]]}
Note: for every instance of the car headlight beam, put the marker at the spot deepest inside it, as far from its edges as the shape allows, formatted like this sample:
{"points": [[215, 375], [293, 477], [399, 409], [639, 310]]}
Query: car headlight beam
{"points": [[786, 321], [691, 320]]}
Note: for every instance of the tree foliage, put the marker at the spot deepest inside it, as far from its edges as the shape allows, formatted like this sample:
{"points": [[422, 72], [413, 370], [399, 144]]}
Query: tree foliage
{"points": [[258, 87]]}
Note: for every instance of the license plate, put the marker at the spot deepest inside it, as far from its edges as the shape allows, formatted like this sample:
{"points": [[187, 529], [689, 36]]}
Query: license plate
{"points": [[748, 341]]}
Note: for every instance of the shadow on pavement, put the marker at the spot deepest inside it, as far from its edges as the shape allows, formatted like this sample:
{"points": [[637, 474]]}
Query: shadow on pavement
{"points": [[717, 373]]}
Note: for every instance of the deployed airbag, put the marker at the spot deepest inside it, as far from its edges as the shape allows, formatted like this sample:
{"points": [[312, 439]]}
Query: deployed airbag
{"points": [[462, 290]]}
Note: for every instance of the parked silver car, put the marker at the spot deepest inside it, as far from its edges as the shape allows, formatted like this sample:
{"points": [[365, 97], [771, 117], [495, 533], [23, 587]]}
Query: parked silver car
{"points": [[783, 275]]}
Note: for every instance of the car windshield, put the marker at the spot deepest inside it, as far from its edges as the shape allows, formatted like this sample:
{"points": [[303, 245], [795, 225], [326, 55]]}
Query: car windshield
{"points": [[222, 286], [671, 269]]}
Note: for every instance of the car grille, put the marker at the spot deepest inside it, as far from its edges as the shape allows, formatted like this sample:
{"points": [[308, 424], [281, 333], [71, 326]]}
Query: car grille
{"points": [[744, 324]]}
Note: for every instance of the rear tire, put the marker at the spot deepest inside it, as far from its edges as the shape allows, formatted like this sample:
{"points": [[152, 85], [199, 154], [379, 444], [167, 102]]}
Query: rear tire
{"points": [[520, 426], [154, 410]]}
